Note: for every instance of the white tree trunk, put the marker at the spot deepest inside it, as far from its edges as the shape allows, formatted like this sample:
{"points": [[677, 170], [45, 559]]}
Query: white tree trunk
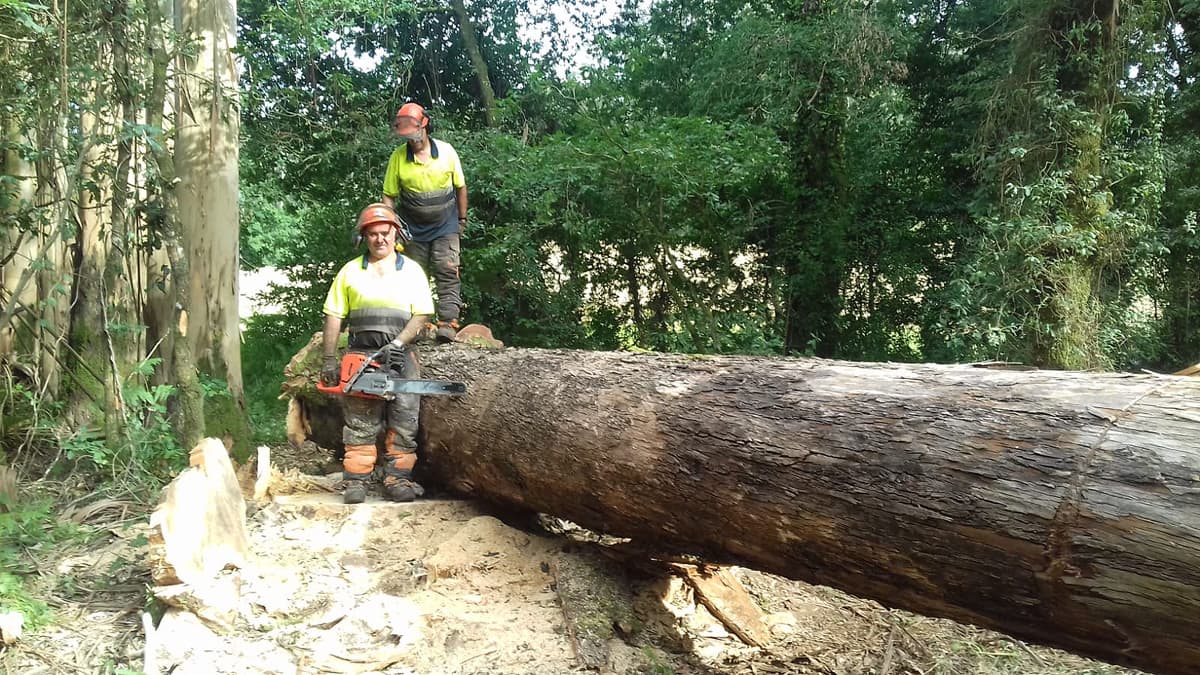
{"points": [[88, 324], [55, 187], [206, 161], [15, 247]]}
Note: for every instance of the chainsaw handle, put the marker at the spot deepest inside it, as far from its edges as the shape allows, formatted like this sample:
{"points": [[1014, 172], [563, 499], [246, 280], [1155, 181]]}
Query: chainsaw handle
{"points": [[366, 362]]}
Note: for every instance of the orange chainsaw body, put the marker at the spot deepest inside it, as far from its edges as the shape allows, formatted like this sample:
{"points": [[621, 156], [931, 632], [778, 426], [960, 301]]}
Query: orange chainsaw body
{"points": [[353, 365]]}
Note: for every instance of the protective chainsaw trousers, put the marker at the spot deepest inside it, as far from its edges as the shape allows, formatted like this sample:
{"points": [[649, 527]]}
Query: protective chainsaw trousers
{"points": [[440, 259], [366, 417]]}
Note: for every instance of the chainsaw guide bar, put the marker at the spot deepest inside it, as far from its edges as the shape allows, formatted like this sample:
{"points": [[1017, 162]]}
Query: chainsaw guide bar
{"points": [[363, 376]]}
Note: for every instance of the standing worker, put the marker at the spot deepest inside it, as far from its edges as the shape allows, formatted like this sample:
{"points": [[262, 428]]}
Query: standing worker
{"points": [[425, 184], [383, 299]]}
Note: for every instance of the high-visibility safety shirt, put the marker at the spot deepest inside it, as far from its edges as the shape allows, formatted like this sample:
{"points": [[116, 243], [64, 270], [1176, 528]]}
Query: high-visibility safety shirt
{"points": [[377, 306], [424, 192]]}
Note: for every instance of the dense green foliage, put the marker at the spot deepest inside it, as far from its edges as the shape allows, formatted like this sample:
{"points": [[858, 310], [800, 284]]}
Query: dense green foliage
{"points": [[899, 180]]}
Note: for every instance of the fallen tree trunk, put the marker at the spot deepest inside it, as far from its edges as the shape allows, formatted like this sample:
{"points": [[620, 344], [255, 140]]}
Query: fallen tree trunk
{"points": [[1063, 508]]}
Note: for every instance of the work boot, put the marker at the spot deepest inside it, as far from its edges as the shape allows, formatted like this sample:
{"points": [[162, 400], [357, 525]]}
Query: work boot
{"points": [[402, 490], [355, 492], [446, 331], [427, 334]]}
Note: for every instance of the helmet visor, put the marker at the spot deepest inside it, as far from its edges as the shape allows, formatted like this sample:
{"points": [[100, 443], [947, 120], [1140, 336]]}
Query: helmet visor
{"points": [[408, 128]]}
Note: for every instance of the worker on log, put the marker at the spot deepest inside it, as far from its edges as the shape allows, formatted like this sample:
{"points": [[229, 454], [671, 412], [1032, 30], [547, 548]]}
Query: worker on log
{"points": [[384, 300], [424, 182]]}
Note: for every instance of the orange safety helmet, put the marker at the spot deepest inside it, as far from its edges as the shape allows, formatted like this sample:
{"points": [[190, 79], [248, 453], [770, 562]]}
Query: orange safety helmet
{"points": [[410, 119], [377, 213]]}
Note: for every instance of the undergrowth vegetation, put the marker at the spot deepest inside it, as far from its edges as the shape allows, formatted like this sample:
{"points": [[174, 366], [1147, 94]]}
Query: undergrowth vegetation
{"points": [[49, 460], [30, 531], [268, 343]]}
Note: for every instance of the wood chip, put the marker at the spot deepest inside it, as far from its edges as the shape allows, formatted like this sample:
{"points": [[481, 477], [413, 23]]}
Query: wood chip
{"points": [[12, 624]]}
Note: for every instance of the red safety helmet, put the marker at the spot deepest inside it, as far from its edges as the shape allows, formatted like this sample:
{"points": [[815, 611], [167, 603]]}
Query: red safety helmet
{"points": [[410, 120], [377, 213]]}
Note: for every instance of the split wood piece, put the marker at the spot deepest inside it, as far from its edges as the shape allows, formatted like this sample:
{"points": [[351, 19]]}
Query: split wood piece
{"points": [[150, 653], [727, 599], [199, 526], [12, 625], [257, 479], [596, 604], [298, 429], [8, 489], [263, 480]]}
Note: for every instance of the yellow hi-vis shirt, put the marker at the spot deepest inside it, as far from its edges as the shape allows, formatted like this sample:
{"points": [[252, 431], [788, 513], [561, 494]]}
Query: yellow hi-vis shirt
{"points": [[357, 287], [425, 192]]}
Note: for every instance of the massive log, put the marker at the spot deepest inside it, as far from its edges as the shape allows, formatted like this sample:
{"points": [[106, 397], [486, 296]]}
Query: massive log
{"points": [[1063, 508]]}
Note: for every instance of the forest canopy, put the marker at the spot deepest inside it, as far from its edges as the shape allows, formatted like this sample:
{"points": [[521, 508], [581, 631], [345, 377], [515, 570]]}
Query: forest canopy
{"points": [[909, 181]]}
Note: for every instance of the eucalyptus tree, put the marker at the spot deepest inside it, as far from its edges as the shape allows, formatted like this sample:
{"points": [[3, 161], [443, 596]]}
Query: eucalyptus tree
{"points": [[206, 163], [97, 260]]}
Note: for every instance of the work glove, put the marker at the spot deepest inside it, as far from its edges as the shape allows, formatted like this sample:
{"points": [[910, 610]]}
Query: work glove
{"points": [[330, 371], [394, 351]]}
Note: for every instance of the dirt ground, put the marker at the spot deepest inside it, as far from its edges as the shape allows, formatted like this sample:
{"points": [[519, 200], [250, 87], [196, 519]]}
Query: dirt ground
{"points": [[444, 586]]}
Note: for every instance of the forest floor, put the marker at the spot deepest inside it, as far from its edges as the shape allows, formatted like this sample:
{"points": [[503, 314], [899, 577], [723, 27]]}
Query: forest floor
{"points": [[446, 586]]}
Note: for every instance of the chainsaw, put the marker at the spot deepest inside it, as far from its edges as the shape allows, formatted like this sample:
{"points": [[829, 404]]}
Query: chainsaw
{"points": [[364, 376]]}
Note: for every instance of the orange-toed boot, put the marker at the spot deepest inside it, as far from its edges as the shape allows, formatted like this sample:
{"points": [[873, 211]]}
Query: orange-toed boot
{"points": [[398, 484], [447, 330], [356, 469]]}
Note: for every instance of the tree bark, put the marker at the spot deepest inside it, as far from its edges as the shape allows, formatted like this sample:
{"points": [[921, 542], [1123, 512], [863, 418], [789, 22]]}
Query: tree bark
{"points": [[120, 278], [1063, 508], [187, 416], [206, 162], [15, 245], [56, 184], [89, 330], [466, 28]]}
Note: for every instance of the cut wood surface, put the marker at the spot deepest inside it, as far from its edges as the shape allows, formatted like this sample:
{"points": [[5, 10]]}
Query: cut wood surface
{"points": [[1063, 508], [722, 594], [199, 527]]}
